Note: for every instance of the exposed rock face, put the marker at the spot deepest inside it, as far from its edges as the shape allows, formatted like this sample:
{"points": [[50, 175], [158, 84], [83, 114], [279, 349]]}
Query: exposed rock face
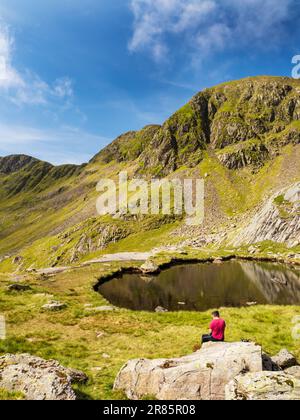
{"points": [[201, 376], [260, 115], [264, 386], [38, 379], [243, 155], [278, 220]]}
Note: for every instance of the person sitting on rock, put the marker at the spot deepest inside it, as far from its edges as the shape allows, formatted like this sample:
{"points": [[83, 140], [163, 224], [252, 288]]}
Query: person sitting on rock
{"points": [[217, 329]]}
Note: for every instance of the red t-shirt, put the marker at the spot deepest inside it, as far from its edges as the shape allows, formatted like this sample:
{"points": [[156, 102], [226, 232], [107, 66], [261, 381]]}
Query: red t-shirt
{"points": [[218, 327]]}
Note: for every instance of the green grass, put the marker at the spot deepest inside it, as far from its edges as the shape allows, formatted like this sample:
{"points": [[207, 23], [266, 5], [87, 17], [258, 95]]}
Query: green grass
{"points": [[8, 396], [70, 336]]}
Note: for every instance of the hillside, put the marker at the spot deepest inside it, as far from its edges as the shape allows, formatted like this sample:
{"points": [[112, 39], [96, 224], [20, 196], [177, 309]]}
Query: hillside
{"points": [[242, 136]]}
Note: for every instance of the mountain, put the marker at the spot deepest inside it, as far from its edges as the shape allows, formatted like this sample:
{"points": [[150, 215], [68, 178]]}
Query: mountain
{"points": [[242, 136]]}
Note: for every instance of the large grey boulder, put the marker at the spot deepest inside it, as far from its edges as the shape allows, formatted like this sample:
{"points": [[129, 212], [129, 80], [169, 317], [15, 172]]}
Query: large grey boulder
{"points": [[263, 386], [38, 379], [200, 376]]}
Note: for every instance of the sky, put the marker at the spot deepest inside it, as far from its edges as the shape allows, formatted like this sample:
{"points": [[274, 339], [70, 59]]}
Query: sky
{"points": [[76, 74]]}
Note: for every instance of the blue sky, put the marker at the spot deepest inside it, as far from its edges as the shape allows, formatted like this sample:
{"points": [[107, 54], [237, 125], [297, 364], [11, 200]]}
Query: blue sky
{"points": [[76, 74]]}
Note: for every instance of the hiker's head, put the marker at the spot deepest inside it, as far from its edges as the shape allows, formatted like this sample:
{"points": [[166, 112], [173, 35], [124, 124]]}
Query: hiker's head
{"points": [[216, 314]]}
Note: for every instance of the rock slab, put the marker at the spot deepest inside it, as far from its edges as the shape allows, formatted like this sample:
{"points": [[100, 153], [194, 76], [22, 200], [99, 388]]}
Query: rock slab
{"points": [[263, 386], [200, 376]]}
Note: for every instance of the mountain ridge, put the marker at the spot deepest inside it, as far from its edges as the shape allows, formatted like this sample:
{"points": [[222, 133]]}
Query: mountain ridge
{"points": [[242, 136]]}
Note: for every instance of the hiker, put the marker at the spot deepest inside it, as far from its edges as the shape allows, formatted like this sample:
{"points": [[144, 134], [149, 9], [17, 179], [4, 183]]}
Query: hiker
{"points": [[217, 329]]}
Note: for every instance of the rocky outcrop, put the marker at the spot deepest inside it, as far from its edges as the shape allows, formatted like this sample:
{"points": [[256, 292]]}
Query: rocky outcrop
{"points": [[200, 376], [260, 111], [149, 267], [263, 386], [231, 371], [91, 236], [243, 155], [278, 220], [38, 379]]}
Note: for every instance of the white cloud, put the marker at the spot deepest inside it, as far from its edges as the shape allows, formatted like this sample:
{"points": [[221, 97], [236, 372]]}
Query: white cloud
{"points": [[46, 143], [205, 26], [155, 18], [63, 87], [27, 88], [9, 77]]}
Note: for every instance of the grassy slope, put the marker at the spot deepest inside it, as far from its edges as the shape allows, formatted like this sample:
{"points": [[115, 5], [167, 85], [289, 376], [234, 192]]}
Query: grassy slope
{"points": [[32, 217], [233, 194], [72, 336]]}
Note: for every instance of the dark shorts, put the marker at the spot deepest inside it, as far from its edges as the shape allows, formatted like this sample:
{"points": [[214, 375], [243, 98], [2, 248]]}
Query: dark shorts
{"points": [[209, 338]]}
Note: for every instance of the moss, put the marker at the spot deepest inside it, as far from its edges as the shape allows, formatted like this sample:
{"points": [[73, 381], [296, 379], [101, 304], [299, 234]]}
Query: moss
{"points": [[279, 200], [9, 396]]}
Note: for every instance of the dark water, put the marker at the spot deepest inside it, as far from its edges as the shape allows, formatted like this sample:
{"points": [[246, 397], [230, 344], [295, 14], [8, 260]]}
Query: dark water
{"points": [[206, 286]]}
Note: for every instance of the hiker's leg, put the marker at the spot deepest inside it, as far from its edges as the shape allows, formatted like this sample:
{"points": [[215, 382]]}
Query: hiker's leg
{"points": [[206, 338]]}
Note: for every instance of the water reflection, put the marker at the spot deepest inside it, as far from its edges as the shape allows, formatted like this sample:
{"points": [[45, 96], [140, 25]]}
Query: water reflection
{"points": [[204, 286]]}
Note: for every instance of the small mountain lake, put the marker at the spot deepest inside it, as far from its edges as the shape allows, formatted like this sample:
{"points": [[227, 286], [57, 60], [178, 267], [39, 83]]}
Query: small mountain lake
{"points": [[199, 287]]}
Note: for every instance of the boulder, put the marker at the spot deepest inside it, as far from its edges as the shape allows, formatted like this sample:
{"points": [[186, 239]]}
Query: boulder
{"points": [[200, 376], [263, 386], [54, 306], [18, 288], [284, 360], [161, 310], [149, 268], [38, 379]]}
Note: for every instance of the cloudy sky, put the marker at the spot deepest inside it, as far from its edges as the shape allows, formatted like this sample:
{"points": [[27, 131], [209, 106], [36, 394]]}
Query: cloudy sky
{"points": [[75, 74]]}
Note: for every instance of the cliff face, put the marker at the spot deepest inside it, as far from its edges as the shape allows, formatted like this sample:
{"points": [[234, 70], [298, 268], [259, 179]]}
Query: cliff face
{"points": [[244, 122], [278, 220]]}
